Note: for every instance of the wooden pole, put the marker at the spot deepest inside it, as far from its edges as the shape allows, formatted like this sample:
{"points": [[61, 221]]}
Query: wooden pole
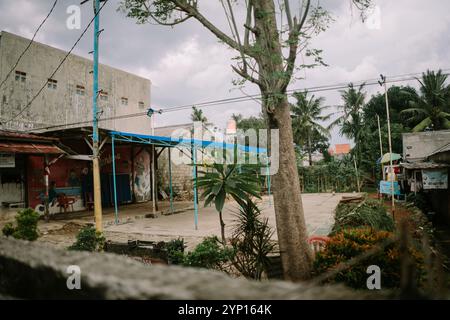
{"points": [[391, 178]]}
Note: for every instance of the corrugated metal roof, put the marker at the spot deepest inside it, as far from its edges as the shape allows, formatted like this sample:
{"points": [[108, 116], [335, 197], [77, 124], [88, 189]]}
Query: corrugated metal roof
{"points": [[423, 165], [445, 148], [14, 135], [30, 148]]}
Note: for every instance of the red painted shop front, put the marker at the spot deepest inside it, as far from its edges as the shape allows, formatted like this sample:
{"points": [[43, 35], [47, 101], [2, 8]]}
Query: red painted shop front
{"points": [[73, 178]]}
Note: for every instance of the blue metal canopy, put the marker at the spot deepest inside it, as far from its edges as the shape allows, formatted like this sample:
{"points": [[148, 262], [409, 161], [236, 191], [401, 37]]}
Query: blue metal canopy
{"points": [[171, 142], [162, 141]]}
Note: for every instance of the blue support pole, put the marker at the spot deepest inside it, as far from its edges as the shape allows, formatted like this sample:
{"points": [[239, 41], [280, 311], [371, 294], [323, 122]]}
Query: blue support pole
{"points": [[194, 173], [170, 180], [95, 71], [268, 181], [95, 139], [116, 210]]}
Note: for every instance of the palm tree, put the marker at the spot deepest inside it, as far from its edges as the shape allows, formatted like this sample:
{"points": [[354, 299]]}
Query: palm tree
{"points": [[237, 117], [238, 181], [351, 118], [431, 108], [306, 115], [197, 115]]}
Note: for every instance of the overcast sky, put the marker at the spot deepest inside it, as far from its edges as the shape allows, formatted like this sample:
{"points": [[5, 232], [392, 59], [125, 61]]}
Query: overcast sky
{"points": [[187, 64]]}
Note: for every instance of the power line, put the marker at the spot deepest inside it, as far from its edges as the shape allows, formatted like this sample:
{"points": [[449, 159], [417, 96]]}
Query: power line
{"points": [[29, 44], [323, 88], [58, 67]]}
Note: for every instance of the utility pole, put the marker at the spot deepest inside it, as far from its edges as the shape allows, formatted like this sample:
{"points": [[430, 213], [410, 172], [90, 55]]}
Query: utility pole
{"points": [[95, 138], [381, 145], [151, 115], [379, 134], [391, 178]]}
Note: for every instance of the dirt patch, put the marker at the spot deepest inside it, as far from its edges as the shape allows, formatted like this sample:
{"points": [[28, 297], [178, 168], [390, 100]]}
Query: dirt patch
{"points": [[69, 228]]}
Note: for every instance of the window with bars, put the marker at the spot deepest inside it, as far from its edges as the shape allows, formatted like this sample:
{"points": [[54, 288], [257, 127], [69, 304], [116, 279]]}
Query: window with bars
{"points": [[141, 105], [52, 84], [21, 76], [124, 101], [80, 90]]}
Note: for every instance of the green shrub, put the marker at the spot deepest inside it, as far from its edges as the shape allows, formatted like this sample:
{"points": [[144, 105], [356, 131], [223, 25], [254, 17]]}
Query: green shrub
{"points": [[351, 243], [26, 220], [89, 239], [209, 254], [251, 242], [369, 213], [175, 251], [8, 229]]}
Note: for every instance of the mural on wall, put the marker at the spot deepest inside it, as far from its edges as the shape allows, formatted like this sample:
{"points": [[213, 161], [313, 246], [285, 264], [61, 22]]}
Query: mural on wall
{"points": [[142, 186], [65, 184]]}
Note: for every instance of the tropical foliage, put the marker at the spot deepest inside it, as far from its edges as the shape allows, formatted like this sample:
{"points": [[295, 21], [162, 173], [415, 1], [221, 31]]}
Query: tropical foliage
{"points": [[369, 213], [197, 115], [351, 243], [251, 242], [307, 121], [430, 109], [240, 182], [89, 239], [209, 254], [26, 229]]}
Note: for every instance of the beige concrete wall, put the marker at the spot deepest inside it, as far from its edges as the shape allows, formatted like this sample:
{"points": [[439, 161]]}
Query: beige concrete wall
{"points": [[62, 105], [417, 146], [181, 174]]}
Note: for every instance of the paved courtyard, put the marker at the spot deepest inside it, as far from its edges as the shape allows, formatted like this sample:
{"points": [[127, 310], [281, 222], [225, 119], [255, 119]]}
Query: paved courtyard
{"points": [[319, 215], [62, 229]]}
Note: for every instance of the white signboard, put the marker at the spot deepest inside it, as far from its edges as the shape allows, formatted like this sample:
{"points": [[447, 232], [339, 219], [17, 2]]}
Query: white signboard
{"points": [[435, 179], [7, 160]]}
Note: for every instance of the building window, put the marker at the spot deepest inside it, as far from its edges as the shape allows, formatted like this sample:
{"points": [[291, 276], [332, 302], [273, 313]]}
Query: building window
{"points": [[52, 84], [103, 95], [124, 101], [81, 91], [141, 105], [21, 76]]}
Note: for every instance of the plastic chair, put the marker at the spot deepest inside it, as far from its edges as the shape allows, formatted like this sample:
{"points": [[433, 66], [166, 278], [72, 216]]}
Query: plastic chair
{"points": [[318, 243]]}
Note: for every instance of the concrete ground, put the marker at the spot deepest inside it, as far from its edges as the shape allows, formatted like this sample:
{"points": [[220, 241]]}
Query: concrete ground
{"points": [[319, 216], [134, 225]]}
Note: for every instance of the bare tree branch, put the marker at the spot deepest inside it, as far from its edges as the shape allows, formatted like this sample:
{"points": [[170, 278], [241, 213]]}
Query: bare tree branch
{"points": [[288, 14], [245, 75], [248, 21], [233, 21], [192, 11], [305, 15], [293, 45]]}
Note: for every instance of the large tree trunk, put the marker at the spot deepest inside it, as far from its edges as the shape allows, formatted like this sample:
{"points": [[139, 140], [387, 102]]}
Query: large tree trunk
{"points": [[296, 255]]}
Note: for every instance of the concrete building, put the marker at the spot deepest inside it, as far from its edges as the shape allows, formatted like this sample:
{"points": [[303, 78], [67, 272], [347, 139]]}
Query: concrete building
{"points": [[419, 145], [67, 97], [63, 111], [426, 166]]}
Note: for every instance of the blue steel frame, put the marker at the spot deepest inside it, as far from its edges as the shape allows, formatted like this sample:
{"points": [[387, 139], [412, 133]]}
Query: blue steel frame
{"points": [[170, 142]]}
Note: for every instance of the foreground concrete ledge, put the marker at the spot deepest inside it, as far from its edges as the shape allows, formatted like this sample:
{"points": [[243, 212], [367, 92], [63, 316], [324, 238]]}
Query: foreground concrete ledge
{"points": [[38, 271]]}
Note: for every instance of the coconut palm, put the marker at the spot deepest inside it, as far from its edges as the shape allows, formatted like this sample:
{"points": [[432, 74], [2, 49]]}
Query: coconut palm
{"points": [[350, 119], [306, 118], [197, 115], [431, 109], [351, 111]]}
